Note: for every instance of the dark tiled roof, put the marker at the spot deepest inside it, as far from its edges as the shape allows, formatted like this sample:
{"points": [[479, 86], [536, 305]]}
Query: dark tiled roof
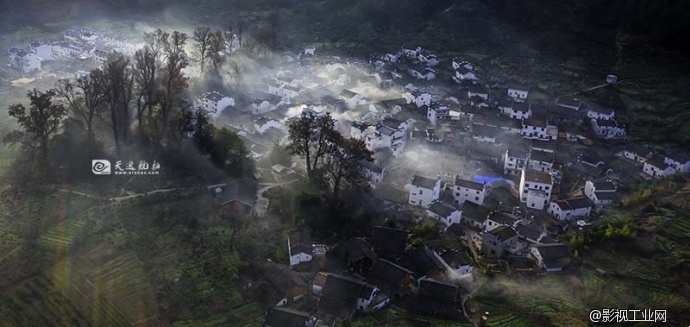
{"points": [[469, 184], [386, 272], [610, 196], [424, 182], [390, 240], [595, 107], [541, 156], [503, 218], [425, 260], [442, 209], [521, 107], [285, 317], [503, 233], [438, 290], [342, 288], [548, 146], [485, 131], [555, 251], [518, 87], [577, 203], [532, 176], [283, 278], [527, 232], [657, 161], [586, 169], [474, 212], [569, 103], [374, 168], [357, 249], [455, 259]]}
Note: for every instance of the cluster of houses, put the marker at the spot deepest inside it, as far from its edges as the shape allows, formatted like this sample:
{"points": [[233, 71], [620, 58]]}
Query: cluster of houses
{"points": [[83, 45], [545, 178]]}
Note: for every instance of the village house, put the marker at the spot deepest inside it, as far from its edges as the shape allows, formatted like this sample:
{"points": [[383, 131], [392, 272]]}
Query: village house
{"points": [[435, 113], [358, 254], [518, 91], [529, 235], [343, 296], [27, 62], [636, 153], [467, 111], [444, 212], [352, 99], [680, 162], [282, 316], [436, 298], [236, 197], [457, 262], [497, 241], [42, 49], [265, 103], [601, 193], [551, 257], [424, 264], [419, 97], [359, 130], [608, 128], [538, 129], [465, 190], [309, 51], [656, 166], [535, 188], [60, 50], [464, 73], [474, 215], [424, 191], [213, 102], [517, 110], [476, 90], [499, 218], [571, 208], [389, 243], [289, 285], [569, 103], [263, 124], [390, 277], [543, 145], [486, 133], [514, 161], [598, 111], [373, 172], [540, 161]]}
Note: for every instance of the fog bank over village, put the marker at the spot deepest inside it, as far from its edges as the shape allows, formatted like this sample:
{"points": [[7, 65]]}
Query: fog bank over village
{"points": [[186, 174]]}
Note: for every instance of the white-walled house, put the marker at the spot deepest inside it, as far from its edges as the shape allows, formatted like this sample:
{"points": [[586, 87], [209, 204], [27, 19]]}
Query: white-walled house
{"points": [[457, 262], [601, 193], [518, 91], [42, 50], [538, 129], [608, 128], [309, 51], [551, 257], [263, 124], [535, 188], [486, 133], [213, 102], [359, 130], [60, 50], [571, 208], [636, 153], [514, 161], [478, 91], [424, 191], [353, 99], [373, 172], [598, 111], [656, 166], [444, 212], [679, 162], [464, 73], [517, 110], [465, 190], [419, 98], [28, 62], [300, 253]]}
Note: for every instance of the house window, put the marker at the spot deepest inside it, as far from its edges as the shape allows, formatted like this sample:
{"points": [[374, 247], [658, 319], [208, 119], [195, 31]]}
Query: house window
{"points": [[526, 184], [546, 188], [421, 192], [532, 205], [476, 198]]}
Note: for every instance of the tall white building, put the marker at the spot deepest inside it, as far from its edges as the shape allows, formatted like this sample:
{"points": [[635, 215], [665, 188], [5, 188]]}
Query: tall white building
{"points": [[424, 191], [535, 188]]}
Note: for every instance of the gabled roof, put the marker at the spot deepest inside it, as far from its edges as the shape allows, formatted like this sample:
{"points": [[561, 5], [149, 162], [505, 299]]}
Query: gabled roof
{"points": [[240, 189], [657, 161], [541, 156], [518, 87], [437, 290], [425, 260], [475, 212], [390, 240], [455, 259], [549, 146], [521, 107], [357, 249], [285, 317], [578, 203], [678, 156], [442, 209], [503, 218], [607, 196], [424, 182], [485, 131], [477, 89], [570, 103], [213, 96], [598, 108], [553, 252], [342, 288], [512, 153], [586, 169], [533, 176], [469, 184], [503, 233], [388, 273], [372, 167], [284, 279], [528, 232]]}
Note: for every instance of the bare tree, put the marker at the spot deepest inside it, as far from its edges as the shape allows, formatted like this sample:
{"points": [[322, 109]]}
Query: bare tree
{"points": [[145, 72], [216, 49], [310, 138], [116, 83], [173, 82], [156, 41], [84, 98], [202, 38], [42, 118]]}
